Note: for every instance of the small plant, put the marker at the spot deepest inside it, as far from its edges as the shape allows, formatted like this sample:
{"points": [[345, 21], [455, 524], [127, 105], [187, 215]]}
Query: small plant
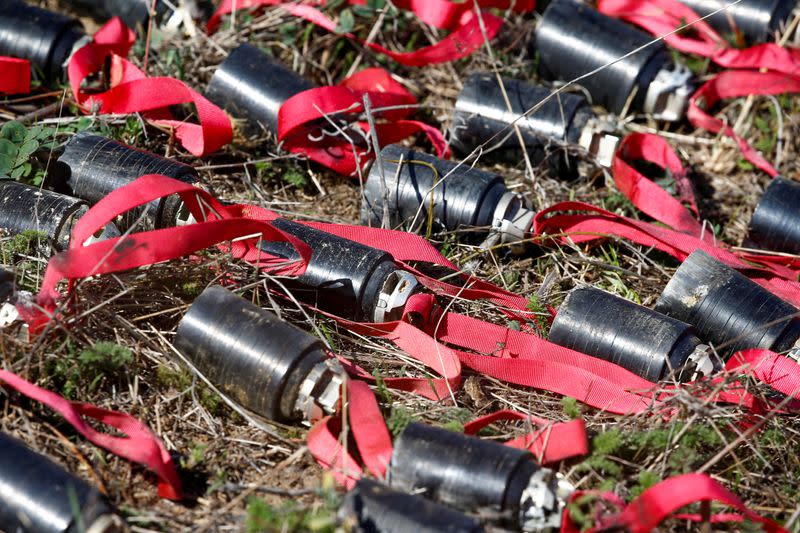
{"points": [[103, 361], [290, 516], [17, 144]]}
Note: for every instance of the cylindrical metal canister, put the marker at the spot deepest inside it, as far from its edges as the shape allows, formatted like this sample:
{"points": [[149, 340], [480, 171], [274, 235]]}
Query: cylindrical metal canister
{"points": [[728, 309], [775, 224], [25, 208], [252, 86], [93, 166], [482, 117], [266, 364], [43, 37], [344, 277], [472, 474], [574, 39], [40, 496], [372, 507], [418, 191], [647, 343], [756, 20]]}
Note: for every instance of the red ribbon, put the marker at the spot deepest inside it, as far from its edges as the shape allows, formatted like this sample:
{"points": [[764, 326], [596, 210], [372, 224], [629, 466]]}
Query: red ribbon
{"points": [[15, 76], [458, 18], [660, 17], [659, 502], [139, 445], [133, 92], [305, 112]]}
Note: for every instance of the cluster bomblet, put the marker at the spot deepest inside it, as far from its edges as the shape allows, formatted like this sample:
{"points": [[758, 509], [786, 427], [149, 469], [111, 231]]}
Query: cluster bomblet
{"points": [[775, 224], [554, 128], [40, 496], [265, 364], [573, 40], [344, 277], [422, 191], [472, 474], [728, 309], [45, 38], [648, 343], [373, 507], [26, 208], [755, 20], [169, 14], [252, 86], [92, 166]]}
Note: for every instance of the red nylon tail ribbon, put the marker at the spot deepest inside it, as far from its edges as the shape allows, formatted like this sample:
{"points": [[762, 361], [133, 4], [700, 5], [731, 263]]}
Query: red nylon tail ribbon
{"points": [[659, 502], [139, 445], [15, 75], [132, 92], [457, 18]]}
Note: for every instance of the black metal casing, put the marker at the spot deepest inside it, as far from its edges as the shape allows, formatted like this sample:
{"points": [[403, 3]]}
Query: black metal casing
{"points": [[775, 224], [43, 37], [727, 308], [343, 277], [24, 208], [252, 86], [466, 199], [375, 508], [40, 496], [573, 39], [462, 471], [756, 20], [249, 353], [93, 166], [638, 339], [481, 116]]}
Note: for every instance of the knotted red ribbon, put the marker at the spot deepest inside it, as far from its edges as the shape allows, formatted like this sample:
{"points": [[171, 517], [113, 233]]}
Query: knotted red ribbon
{"points": [[15, 76], [305, 113], [457, 18], [131, 91], [139, 444]]}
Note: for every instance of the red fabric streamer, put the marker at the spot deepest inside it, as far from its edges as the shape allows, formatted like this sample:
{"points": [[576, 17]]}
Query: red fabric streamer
{"points": [[139, 445], [15, 75], [659, 502], [305, 112], [733, 84], [457, 18], [133, 92]]}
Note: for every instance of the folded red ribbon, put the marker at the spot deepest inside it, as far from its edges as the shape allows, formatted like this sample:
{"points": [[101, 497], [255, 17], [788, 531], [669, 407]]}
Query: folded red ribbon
{"points": [[133, 92], [305, 113], [15, 76]]}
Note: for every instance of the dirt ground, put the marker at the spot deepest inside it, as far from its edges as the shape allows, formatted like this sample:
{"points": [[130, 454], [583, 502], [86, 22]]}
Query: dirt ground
{"points": [[242, 478]]}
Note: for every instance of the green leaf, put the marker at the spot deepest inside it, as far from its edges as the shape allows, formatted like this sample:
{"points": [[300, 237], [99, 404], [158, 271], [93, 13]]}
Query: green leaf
{"points": [[6, 164], [27, 148], [347, 22], [8, 148], [14, 132], [17, 172]]}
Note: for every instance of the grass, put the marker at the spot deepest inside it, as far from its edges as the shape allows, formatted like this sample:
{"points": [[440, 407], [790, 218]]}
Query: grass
{"points": [[118, 356]]}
